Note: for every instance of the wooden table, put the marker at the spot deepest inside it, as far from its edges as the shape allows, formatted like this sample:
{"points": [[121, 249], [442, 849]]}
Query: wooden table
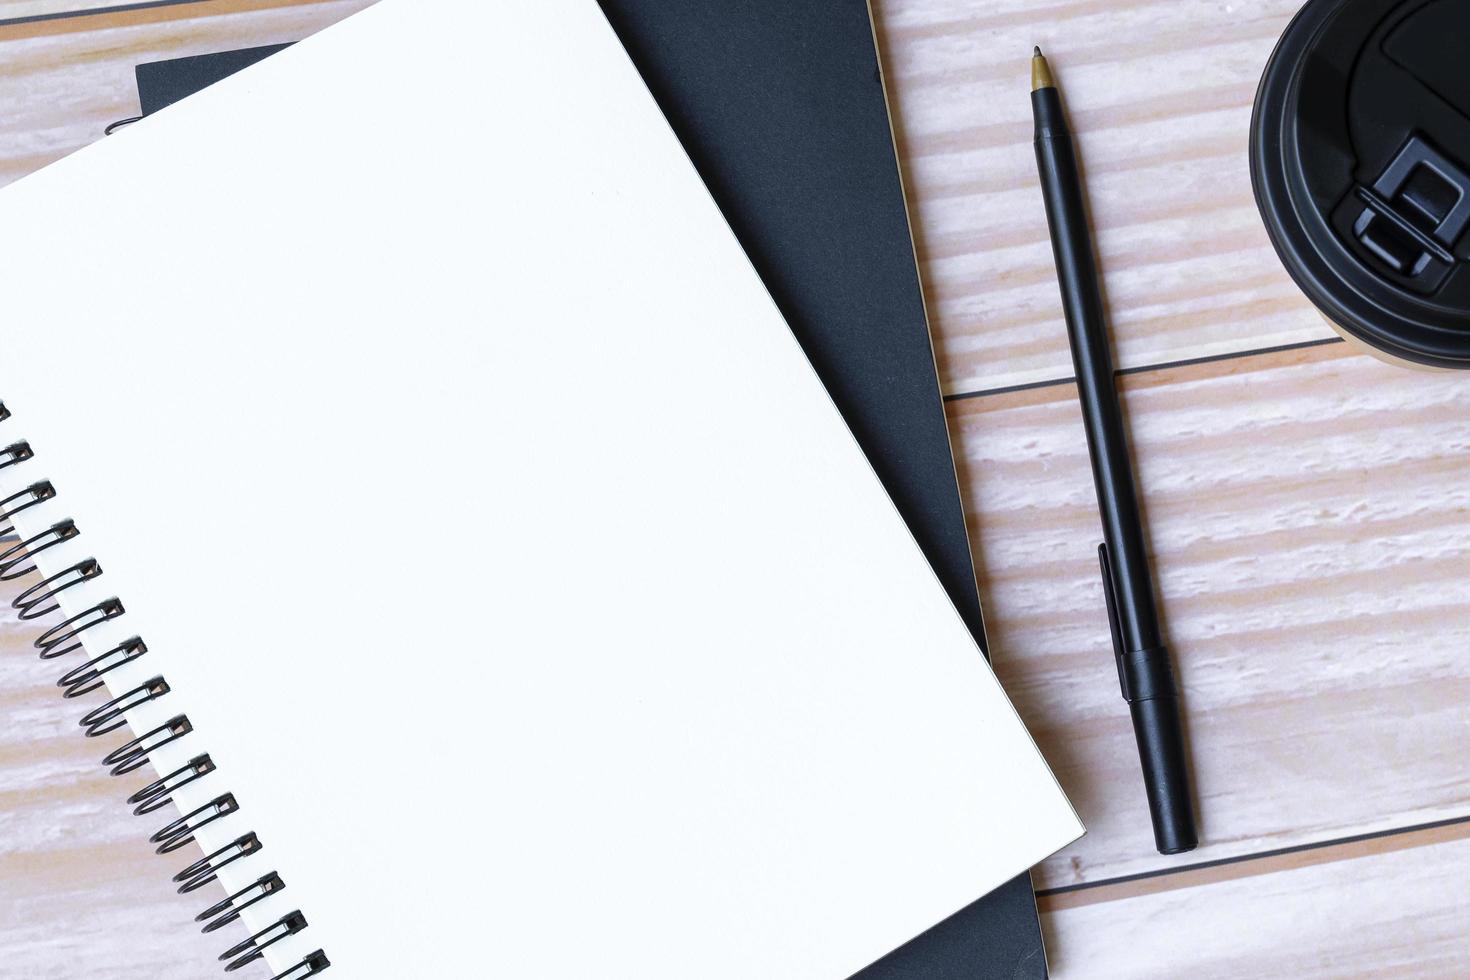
{"points": [[1309, 510]]}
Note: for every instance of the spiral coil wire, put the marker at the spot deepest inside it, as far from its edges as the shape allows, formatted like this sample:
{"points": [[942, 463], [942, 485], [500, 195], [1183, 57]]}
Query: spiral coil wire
{"points": [[67, 637]]}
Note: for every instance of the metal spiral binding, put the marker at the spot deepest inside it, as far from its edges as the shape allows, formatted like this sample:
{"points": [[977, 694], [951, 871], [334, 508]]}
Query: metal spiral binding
{"points": [[66, 637]]}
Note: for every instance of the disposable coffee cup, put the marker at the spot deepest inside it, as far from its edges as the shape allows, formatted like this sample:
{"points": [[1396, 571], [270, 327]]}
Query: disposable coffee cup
{"points": [[1360, 157]]}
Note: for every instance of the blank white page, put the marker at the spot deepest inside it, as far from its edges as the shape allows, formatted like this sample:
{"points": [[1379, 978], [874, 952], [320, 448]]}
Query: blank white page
{"points": [[491, 528]]}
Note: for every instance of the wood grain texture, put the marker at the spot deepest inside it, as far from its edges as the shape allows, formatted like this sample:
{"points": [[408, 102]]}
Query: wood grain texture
{"points": [[1308, 509], [62, 89], [1160, 92], [1399, 915], [1309, 512], [81, 892], [1256, 863], [1310, 516], [18, 9]]}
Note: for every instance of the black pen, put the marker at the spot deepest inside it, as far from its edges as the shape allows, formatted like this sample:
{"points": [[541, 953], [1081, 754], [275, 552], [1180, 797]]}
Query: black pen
{"points": [[1144, 668]]}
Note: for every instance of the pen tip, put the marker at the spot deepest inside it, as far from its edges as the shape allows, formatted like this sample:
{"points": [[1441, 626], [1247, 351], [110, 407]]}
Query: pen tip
{"points": [[1041, 76]]}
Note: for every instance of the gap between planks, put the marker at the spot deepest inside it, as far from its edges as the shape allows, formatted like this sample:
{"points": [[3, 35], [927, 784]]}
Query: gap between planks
{"points": [[1148, 368], [1158, 375], [1254, 865], [132, 15]]}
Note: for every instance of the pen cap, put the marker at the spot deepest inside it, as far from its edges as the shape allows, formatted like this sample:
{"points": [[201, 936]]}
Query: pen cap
{"points": [[1160, 736], [1360, 158]]}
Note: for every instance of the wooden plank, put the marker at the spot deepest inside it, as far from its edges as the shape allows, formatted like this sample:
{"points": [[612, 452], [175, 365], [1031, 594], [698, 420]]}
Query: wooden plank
{"points": [[22, 10], [82, 894], [1393, 914], [1161, 93], [62, 91], [1310, 517], [1195, 876], [85, 19], [18, 9]]}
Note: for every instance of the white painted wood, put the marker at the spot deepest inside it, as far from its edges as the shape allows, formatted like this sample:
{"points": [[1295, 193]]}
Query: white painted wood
{"points": [[1160, 92], [1310, 518], [1399, 914], [82, 895]]}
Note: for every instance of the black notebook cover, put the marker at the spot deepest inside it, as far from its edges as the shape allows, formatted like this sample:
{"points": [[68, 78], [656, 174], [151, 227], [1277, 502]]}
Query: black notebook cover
{"points": [[780, 104], [162, 83]]}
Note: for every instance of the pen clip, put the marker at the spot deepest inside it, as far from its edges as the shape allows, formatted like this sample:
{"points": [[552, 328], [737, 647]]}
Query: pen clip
{"points": [[1111, 598]]}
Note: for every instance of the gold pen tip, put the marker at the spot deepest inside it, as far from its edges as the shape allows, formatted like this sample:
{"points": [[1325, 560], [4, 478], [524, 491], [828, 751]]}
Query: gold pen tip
{"points": [[1041, 76]]}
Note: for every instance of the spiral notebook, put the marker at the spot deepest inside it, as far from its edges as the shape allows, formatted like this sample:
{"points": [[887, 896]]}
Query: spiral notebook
{"points": [[781, 106], [515, 601]]}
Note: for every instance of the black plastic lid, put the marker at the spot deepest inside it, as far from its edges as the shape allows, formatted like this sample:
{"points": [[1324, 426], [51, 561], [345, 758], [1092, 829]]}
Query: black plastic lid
{"points": [[1360, 155]]}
